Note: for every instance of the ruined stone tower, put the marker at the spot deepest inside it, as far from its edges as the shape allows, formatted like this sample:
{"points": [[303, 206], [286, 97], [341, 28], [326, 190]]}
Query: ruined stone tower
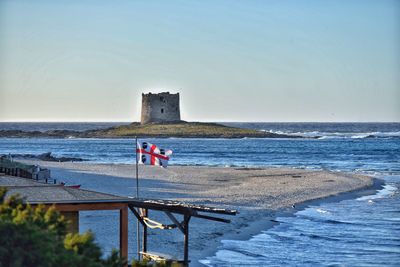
{"points": [[162, 107]]}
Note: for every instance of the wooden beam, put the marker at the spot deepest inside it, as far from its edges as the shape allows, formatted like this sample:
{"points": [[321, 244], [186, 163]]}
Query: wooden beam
{"points": [[186, 240], [123, 232], [137, 215], [87, 206], [161, 207], [177, 207], [212, 218], [174, 220], [145, 213]]}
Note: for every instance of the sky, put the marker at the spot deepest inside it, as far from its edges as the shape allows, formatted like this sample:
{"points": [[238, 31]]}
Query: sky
{"points": [[233, 60]]}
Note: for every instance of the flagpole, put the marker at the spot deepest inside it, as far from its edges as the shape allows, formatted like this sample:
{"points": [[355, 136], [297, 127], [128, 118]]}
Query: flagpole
{"points": [[137, 196], [137, 169]]}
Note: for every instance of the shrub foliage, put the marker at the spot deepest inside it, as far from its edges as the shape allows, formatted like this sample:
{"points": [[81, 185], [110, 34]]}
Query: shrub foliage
{"points": [[38, 237]]}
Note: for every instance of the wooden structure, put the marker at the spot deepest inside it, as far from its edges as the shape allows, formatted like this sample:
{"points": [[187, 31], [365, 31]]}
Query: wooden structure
{"points": [[70, 201], [141, 207], [14, 168]]}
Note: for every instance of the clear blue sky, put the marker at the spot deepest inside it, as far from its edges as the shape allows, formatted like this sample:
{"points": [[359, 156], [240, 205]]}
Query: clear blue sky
{"points": [[246, 60]]}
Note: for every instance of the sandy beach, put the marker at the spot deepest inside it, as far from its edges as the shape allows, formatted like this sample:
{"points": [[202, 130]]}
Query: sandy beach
{"points": [[259, 194]]}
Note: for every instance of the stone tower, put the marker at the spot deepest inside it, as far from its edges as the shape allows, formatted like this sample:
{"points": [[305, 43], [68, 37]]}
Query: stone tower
{"points": [[162, 107]]}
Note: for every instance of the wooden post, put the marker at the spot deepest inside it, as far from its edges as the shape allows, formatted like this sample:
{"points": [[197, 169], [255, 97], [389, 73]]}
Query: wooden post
{"points": [[137, 196], [186, 240], [73, 217], [123, 232], [144, 244]]}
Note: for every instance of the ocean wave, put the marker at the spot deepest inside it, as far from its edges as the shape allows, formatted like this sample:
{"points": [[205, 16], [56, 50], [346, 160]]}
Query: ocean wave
{"points": [[324, 220], [315, 236], [361, 136], [387, 191], [322, 211], [331, 135]]}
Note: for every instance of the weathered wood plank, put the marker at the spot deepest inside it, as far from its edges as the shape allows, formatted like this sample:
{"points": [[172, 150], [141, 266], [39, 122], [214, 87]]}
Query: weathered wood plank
{"points": [[86, 206], [123, 232], [174, 220], [186, 240], [212, 218], [178, 207]]}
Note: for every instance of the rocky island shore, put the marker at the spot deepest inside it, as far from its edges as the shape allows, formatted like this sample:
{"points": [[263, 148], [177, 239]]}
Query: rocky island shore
{"points": [[160, 130]]}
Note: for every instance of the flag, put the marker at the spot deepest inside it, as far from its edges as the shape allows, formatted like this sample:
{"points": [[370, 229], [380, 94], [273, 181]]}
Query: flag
{"points": [[149, 154]]}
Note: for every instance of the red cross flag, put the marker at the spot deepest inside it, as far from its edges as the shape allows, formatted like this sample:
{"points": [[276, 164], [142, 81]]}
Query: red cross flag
{"points": [[149, 154]]}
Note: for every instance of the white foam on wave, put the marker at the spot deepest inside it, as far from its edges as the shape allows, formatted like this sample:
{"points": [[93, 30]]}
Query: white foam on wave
{"points": [[276, 132], [376, 135], [387, 191], [360, 136], [322, 211], [339, 135]]}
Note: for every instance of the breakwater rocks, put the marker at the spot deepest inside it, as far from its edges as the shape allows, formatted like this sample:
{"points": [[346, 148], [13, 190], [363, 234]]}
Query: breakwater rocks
{"points": [[161, 130], [45, 157]]}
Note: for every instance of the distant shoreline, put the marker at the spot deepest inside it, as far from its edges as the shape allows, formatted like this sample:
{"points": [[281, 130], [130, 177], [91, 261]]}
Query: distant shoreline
{"points": [[154, 130]]}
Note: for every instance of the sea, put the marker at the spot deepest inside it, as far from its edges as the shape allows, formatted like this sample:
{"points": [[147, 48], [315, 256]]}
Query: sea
{"points": [[363, 231]]}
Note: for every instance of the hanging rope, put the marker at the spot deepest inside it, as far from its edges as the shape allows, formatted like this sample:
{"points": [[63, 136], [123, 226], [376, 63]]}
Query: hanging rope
{"points": [[153, 224]]}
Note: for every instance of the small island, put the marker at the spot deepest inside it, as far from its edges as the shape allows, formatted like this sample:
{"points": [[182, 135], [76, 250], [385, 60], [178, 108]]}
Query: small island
{"points": [[161, 130], [183, 130], [160, 117]]}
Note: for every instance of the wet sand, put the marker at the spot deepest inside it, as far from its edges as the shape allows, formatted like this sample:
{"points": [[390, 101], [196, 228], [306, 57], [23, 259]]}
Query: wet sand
{"points": [[259, 194]]}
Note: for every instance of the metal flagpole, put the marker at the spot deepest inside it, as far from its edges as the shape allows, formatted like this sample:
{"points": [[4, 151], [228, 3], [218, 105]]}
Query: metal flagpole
{"points": [[137, 196], [137, 169]]}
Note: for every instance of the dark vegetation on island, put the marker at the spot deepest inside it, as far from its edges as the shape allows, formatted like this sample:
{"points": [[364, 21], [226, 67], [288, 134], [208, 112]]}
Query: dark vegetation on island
{"points": [[161, 130]]}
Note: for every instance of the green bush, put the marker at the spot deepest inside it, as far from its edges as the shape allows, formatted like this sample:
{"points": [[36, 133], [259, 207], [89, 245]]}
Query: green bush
{"points": [[38, 237]]}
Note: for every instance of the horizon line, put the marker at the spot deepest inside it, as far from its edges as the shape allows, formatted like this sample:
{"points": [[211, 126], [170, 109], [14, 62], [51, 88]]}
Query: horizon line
{"points": [[123, 121]]}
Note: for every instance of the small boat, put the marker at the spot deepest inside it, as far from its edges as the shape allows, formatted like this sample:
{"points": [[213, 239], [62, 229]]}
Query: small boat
{"points": [[76, 186]]}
